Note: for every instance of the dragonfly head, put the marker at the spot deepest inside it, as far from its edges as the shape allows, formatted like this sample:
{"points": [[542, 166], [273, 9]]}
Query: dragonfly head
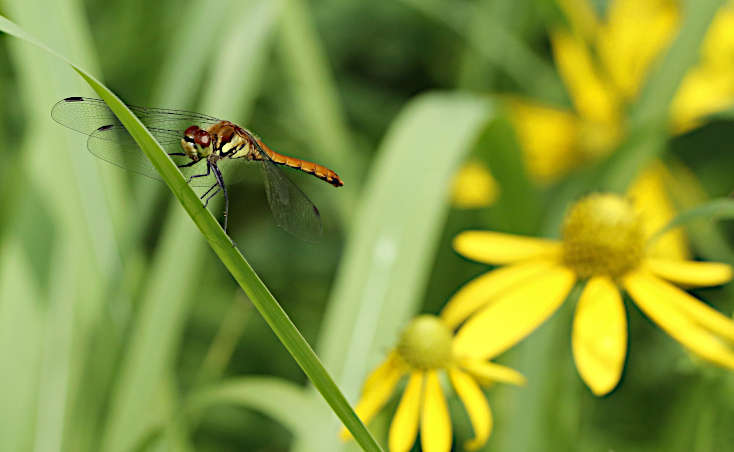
{"points": [[196, 142]]}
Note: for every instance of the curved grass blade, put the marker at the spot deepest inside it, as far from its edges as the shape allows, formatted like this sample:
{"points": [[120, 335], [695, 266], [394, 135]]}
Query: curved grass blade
{"points": [[279, 399], [716, 209], [391, 249], [229, 255]]}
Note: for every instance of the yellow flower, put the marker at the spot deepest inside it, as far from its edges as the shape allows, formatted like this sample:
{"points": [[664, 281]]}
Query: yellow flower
{"points": [[474, 187], [603, 64], [424, 351], [605, 244]]}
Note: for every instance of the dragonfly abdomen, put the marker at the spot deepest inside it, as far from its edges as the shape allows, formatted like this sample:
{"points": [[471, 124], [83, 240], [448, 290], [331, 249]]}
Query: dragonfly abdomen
{"points": [[317, 170]]}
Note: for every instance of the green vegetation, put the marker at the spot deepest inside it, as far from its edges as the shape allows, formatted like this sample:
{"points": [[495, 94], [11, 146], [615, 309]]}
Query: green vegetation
{"points": [[121, 330]]}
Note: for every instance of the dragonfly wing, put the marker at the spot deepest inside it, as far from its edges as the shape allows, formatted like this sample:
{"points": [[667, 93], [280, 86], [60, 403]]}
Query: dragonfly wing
{"points": [[86, 115], [291, 208], [115, 145]]}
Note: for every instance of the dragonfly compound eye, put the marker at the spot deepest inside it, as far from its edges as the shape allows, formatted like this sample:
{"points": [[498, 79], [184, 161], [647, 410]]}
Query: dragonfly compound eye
{"points": [[189, 134], [202, 138]]}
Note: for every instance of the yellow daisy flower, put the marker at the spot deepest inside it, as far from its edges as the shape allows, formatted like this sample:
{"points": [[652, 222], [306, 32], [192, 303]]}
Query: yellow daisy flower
{"points": [[603, 64], [474, 187], [424, 352], [604, 243]]}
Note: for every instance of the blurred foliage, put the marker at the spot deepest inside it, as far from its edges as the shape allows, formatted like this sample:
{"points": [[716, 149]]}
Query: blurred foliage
{"points": [[120, 330]]}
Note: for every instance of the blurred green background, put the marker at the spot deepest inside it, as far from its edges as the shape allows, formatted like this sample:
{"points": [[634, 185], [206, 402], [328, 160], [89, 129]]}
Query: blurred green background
{"points": [[121, 331]]}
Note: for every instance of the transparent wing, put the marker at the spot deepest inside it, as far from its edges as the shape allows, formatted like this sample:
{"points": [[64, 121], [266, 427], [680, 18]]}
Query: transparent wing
{"points": [[110, 141], [291, 208], [115, 145], [86, 115]]}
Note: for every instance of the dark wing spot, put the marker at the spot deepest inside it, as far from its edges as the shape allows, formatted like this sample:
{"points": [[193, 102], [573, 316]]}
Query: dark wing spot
{"points": [[106, 127], [74, 99]]}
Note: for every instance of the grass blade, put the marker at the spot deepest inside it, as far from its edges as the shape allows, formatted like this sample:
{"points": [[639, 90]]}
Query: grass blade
{"points": [[494, 45], [317, 99], [228, 254], [281, 400], [21, 333], [649, 116], [391, 249], [716, 209], [158, 325]]}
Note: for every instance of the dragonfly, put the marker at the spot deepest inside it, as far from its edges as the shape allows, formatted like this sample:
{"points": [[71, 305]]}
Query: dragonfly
{"points": [[205, 149]]}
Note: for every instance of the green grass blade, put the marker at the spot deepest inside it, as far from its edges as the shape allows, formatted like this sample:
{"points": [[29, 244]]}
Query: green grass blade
{"points": [[281, 400], [21, 333], [648, 121], [317, 99], [228, 254], [662, 84], [80, 263], [717, 209], [158, 325], [495, 44], [392, 246]]}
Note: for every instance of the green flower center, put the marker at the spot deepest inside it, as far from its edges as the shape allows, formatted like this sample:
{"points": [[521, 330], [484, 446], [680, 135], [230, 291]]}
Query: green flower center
{"points": [[426, 343], [602, 235]]}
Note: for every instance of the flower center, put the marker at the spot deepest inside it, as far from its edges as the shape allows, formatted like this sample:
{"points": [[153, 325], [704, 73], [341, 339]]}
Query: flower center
{"points": [[426, 343], [602, 235]]}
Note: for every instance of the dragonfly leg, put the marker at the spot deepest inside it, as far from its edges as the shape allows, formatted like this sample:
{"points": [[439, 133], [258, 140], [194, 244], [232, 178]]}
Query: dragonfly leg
{"points": [[208, 170], [206, 203], [207, 192], [176, 153], [220, 181], [186, 165]]}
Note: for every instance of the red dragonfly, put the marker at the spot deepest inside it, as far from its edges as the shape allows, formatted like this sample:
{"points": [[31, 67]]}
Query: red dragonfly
{"points": [[201, 146]]}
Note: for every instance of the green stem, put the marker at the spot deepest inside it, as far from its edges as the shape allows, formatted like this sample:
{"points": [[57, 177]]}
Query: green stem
{"points": [[241, 270]]}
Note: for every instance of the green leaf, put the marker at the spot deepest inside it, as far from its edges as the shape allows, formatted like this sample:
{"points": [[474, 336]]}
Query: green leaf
{"points": [[648, 122], [494, 44], [281, 400], [316, 97], [716, 209], [391, 249], [21, 343], [229, 255]]}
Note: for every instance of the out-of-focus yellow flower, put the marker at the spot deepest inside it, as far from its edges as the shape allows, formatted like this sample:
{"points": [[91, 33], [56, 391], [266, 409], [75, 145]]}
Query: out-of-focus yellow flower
{"points": [[605, 244], [603, 64], [474, 187], [425, 350]]}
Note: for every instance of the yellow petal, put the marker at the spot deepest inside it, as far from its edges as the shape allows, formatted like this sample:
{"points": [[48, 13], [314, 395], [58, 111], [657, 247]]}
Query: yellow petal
{"points": [[435, 421], [514, 315], [690, 273], [600, 335], [705, 90], [694, 309], [488, 372], [497, 248], [591, 95], [636, 33], [476, 406], [377, 389], [482, 290], [696, 326], [474, 187], [404, 427], [650, 197], [719, 43], [548, 138]]}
